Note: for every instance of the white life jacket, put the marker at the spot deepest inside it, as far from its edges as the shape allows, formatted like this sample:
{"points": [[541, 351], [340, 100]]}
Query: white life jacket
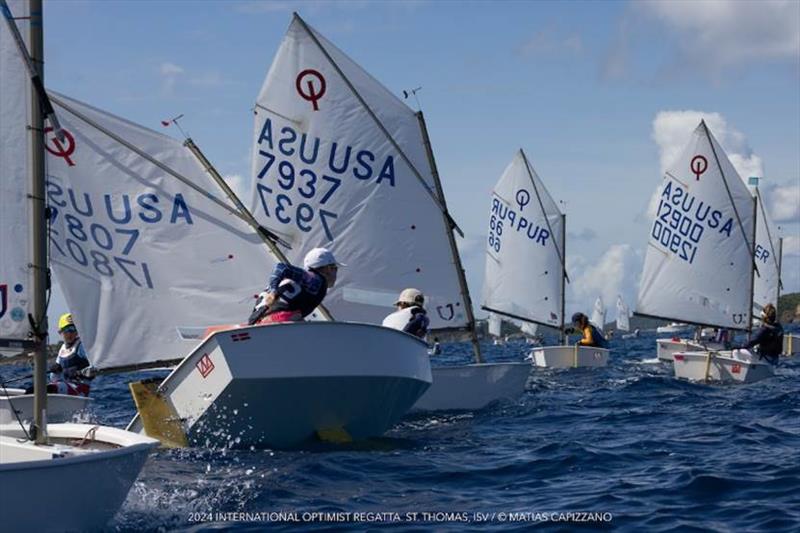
{"points": [[398, 319]]}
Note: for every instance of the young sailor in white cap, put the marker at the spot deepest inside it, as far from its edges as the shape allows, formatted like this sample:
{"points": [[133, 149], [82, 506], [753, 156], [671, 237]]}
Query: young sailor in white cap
{"points": [[410, 316], [293, 293]]}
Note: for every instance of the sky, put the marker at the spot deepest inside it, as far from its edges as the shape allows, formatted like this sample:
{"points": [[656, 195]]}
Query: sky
{"points": [[600, 95]]}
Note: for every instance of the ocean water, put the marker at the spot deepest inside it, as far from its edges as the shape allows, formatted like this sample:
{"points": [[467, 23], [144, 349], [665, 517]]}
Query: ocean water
{"points": [[628, 446]]}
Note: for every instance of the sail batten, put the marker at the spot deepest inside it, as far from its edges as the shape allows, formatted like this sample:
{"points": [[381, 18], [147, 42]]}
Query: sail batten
{"points": [[698, 264], [524, 273]]}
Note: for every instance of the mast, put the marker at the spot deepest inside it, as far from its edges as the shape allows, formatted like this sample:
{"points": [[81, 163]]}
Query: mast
{"points": [[562, 336], [450, 226], [266, 236], [39, 230], [753, 269], [780, 267]]}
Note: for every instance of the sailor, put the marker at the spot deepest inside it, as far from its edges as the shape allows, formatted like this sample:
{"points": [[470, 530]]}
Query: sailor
{"points": [[292, 292], [71, 372], [591, 335], [769, 337], [410, 316]]}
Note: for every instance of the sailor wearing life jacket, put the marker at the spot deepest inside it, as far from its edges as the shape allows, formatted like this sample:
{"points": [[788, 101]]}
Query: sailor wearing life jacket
{"points": [[293, 293], [71, 372], [410, 316], [769, 337], [591, 335]]}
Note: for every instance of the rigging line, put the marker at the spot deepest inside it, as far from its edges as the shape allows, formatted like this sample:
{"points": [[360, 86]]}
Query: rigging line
{"points": [[380, 125], [561, 258], [730, 195], [183, 179]]}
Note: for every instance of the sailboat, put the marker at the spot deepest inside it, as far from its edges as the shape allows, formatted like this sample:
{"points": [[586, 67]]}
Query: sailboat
{"points": [[769, 260], [525, 273], [599, 314], [623, 315], [174, 242], [699, 266], [339, 161], [40, 460]]}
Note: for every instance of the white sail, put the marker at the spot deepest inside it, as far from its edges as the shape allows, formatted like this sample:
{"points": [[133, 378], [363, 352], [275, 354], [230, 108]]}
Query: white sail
{"points": [[623, 315], [326, 174], [524, 274], [599, 313], [16, 277], [142, 258], [767, 259], [495, 325], [699, 260]]}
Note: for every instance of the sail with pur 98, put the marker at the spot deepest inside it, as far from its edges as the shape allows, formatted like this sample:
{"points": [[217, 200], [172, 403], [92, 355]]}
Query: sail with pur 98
{"points": [[699, 262], [16, 276], [145, 262], [524, 275], [768, 260], [340, 162]]}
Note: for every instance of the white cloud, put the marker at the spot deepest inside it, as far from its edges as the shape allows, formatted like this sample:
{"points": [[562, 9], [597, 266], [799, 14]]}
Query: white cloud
{"points": [[549, 42], [308, 6], [586, 234], [673, 129], [717, 34], [239, 184], [169, 76], [616, 272], [170, 69], [782, 201], [791, 246]]}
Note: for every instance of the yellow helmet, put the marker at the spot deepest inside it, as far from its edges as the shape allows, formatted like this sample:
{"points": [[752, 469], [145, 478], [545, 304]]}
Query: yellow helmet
{"points": [[64, 321]]}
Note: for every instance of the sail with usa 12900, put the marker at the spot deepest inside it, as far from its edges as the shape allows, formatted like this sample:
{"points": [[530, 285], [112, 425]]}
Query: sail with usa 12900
{"points": [[699, 266]]}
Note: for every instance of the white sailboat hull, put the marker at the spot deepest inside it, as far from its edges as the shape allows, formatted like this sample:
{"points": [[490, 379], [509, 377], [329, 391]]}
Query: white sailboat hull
{"points": [[60, 407], [79, 488], [672, 328], [791, 344], [281, 385], [473, 387], [737, 366], [667, 348], [570, 357]]}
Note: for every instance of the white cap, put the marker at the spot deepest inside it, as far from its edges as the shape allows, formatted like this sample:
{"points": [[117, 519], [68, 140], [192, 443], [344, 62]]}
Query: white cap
{"points": [[319, 257], [411, 296]]}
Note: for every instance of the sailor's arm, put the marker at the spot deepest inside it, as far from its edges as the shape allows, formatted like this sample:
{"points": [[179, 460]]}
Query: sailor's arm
{"points": [[588, 338]]}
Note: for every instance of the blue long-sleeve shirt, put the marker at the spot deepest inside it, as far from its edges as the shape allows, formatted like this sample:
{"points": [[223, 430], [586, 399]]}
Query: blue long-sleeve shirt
{"points": [[296, 289]]}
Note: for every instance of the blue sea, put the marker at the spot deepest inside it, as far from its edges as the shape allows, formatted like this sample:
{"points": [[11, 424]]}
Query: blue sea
{"points": [[627, 448]]}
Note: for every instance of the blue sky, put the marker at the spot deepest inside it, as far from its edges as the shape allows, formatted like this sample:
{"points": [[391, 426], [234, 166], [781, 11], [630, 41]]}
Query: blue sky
{"points": [[576, 84]]}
